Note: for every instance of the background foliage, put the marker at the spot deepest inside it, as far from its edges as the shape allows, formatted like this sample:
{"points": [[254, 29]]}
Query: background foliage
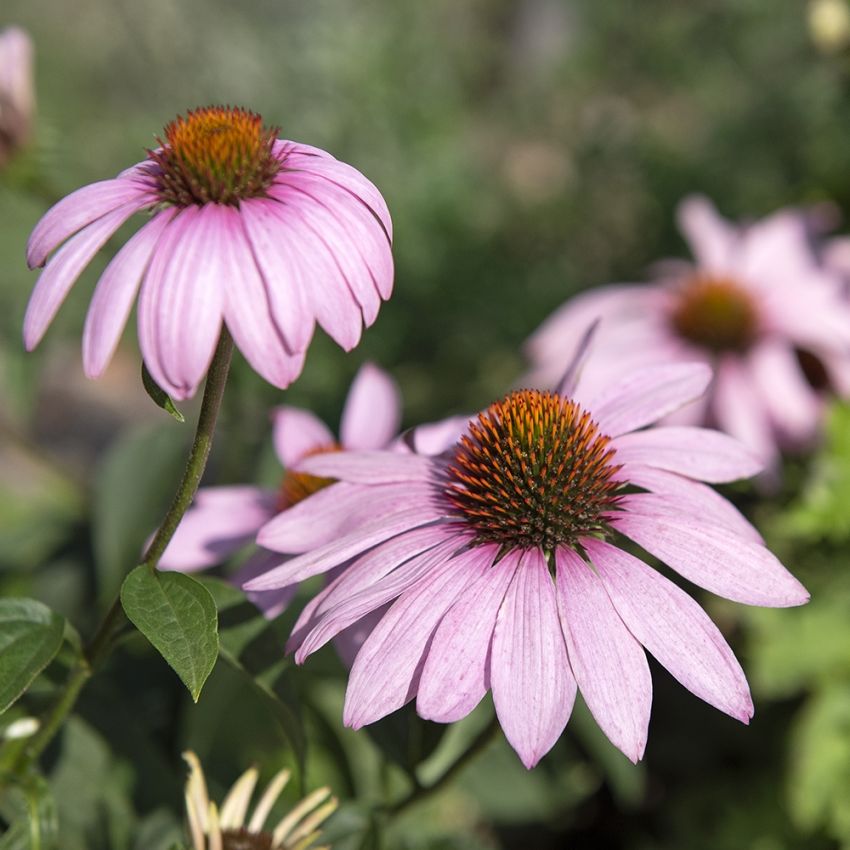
{"points": [[528, 149]]}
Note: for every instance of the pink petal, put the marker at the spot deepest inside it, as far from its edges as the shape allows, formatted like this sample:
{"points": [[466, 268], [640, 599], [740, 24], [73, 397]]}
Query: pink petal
{"points": [[246, 305], [272, 603], [372, 412], [181, 302], [533, 688], [674, 629], [434, 438], [385, 674], [349, 641], [55, 282], [222, 520], [114, 295], [298, 432], [456, 673], [370, 467], [712, 239], [81, 208], [695, 452], [646, 396], [713, 557], [608, 663]]}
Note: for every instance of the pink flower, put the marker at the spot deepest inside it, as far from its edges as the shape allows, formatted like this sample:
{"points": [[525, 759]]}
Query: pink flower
{"points": [[265, 235], [17, 92], [224, 519], [756, 305], [503, 567]]}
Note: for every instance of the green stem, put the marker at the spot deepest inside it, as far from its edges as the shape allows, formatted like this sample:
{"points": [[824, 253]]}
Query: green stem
{"points": [[101, 644], [420, 792]]}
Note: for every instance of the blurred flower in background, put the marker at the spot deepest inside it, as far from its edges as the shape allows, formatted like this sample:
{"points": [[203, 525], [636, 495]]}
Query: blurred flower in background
{"points": [[17, 91], [229, 828], [267, 235], [756, 304]]}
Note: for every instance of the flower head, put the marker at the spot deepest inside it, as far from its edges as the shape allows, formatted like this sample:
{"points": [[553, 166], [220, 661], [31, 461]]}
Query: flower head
{"points": [[229, 827], [756, 305], [17, 94], [224, 519], [263, 235], [501, 562]]}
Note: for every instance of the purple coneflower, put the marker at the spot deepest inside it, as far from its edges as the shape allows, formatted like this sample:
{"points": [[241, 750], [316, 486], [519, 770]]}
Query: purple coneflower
{"points": [[505, 565], [265, 235], [756, 305], [224, 519]]}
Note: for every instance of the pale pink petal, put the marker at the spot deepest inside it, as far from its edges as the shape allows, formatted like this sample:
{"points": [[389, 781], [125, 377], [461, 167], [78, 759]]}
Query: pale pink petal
{"points": [[695, 452], [644, 397], [674, 629], [713, 557], [55, 282], [608, 663], [573, 368], [281, 266], [713, 241], [434, 438], [533, 687], [81, 208], [222, 520], [370, 467], [372, 412], [298, 432], [456, 674], [247, 311], [181, 301], [687, 495], [348, 546], [385, 674], [272, 603], [775, 251], [349, 641], [115, 293]]}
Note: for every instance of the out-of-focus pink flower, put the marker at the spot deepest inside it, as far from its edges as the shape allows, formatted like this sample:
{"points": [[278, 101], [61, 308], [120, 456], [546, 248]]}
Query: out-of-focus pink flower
{"points": [[224, 519], [17, 91], [264, 235], [756, 305], [502, 563]]}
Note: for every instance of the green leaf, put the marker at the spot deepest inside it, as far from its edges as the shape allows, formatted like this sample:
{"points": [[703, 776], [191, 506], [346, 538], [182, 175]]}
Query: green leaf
{"points": [[178, 616], [405, 738], [159, 396], [28, 807], [133, 487], [30, 635]]}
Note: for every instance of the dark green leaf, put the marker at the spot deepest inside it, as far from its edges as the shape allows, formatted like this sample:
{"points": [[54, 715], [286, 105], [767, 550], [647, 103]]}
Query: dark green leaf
{"points": [[159, 396], [178, 616], [405, 738], [30, 635], [29, 808]]}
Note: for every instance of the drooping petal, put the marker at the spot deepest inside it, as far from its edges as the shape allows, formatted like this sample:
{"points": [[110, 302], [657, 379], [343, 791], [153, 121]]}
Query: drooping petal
{"points": [[456, 674], [349, 641], [385, 674], [696, 452], [646, 396], [608, 663], [79, 209], [115, 293], [533, 688], [297, 432], [713, 241], [247, 311], [272, 603], [61, 273], [222, 520], [674, 629], [372, 412], [370, 467], [181, 302], [713, 557]]}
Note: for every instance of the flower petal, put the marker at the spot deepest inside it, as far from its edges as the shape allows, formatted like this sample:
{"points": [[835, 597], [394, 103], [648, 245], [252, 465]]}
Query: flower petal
{"points": [[456, 673], [674, 629], [370, 467], [114, 295], [608, 663], [712, 239], [533, 688], [372, 412], [298, 432], [55, 282], [272, 603]]}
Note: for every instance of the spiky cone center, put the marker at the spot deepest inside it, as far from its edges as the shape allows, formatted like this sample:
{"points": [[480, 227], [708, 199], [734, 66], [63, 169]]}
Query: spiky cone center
{"points": [[243, 839], [297, 486], [217, 154], [715, 313], [534, 471]]}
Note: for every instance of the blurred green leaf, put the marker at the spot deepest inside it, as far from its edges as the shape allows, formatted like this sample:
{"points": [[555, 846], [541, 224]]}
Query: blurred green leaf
{"points": [[405, 738], [159, 396], [178, 616], [132, 490], [30, 635], [29, 808]]}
